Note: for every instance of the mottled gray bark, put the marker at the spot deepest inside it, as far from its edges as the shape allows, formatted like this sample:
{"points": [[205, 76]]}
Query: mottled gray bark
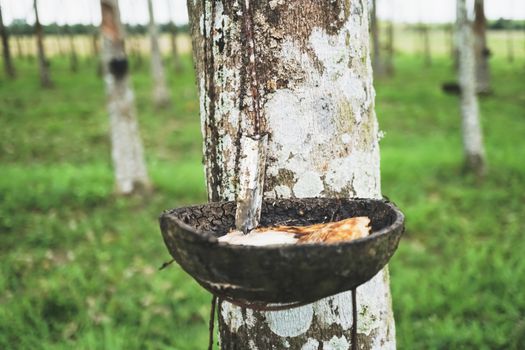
{"points": [[481, 49], [161, 95], [471, 129], [126, 146], [43, 64], [8, 63], [377, 63], [316, 101]]}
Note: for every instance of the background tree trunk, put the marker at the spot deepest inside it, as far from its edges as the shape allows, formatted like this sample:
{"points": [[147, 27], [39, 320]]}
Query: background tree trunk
{"points": [[127, 153], [379, 68], [317, 103], [389, 62], [19, 49], [73, 58], [481, 49], [135, 49], [427, 53], [160, 91], [43, 64], [471, 129], [8, 63], [96, 51], [510, 46], [173, 40]]}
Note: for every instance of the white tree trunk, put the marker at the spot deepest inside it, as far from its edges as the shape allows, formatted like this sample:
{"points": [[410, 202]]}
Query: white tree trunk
{"points": [[471, 129], [317, 103], [126, 146], [482, 52], [161, 95]]}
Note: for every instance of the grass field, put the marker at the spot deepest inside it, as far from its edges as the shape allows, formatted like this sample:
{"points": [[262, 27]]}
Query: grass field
{"points": [[78, 266]]}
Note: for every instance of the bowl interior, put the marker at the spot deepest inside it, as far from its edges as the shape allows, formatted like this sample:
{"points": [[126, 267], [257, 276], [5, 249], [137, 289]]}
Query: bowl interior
{"points": [[217, 219]]}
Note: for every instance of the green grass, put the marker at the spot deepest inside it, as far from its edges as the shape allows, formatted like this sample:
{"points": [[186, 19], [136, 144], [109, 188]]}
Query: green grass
{"points": [[79, 265]]}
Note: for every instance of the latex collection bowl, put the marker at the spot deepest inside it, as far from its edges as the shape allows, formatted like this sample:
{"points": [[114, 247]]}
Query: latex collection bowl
{"points": [[289, 274]]}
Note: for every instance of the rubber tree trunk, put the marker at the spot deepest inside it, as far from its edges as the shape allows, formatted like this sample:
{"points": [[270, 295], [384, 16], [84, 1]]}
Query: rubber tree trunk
{"points": [[379, 69], [450, 34], [510, 46], [43, 64], [471, 129], [8, 62], [96, 52], [316, 95], [161, 95], [426, 45], [389, 61], [126, 146], [173, 40], [481, 49], [73, 57], [19, 50]]}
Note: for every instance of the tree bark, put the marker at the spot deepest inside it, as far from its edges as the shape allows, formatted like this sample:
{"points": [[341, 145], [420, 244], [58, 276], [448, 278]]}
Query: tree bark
{"points": [[377, 64], [43, 64], [481, 49], [8, 62], [127, 152], [161, 95], [316, 101], [471, 129]]}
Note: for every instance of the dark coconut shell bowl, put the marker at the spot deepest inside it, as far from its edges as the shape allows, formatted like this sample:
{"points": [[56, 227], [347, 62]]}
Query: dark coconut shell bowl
{"points": [[286, 274]]}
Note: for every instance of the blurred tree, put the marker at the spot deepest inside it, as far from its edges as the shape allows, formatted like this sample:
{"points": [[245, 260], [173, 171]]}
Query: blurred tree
{"points": [[427, 53], [43, 64], [471, 129], [377, 64], [134, 42], [481, 49], [510, 46], [161, 96], [19, 50], [73, 58], [8, 63], [127, 151], [311, 74], [389, 61], [172, 28], [453, 49]]}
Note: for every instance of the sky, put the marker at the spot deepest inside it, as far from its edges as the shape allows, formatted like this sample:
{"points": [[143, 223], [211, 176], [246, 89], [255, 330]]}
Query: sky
{"points": [[135, 11]]}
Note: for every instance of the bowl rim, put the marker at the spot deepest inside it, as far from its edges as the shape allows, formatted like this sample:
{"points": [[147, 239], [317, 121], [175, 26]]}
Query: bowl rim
{"points": [[212, 239]]}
